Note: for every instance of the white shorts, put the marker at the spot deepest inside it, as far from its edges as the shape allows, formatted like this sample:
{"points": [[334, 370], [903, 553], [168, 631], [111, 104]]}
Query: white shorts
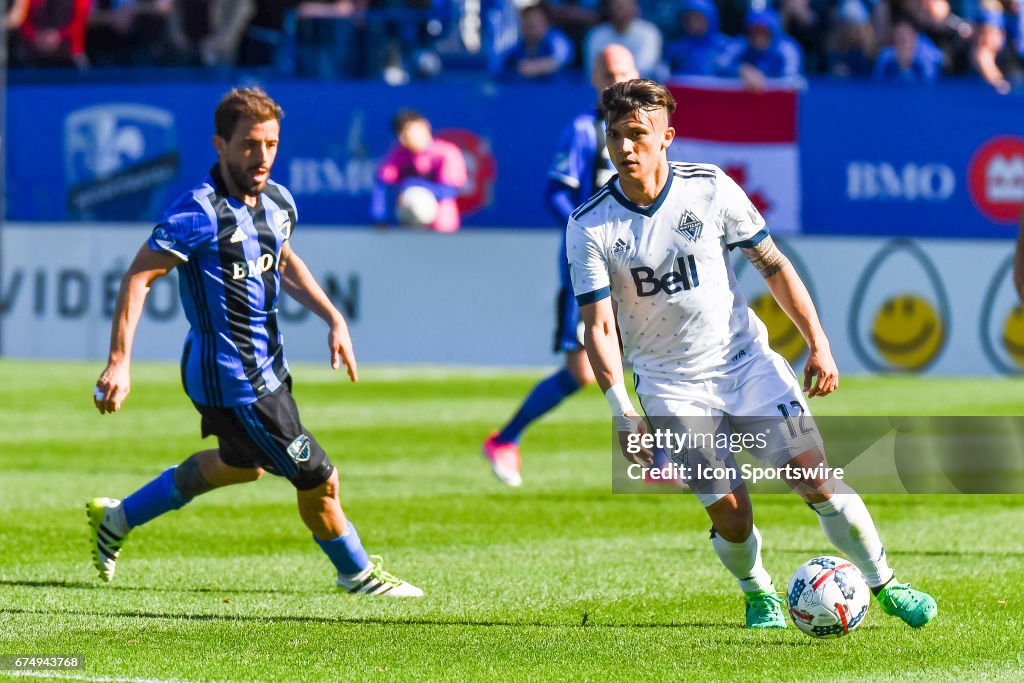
{"points": [[758, 407]]}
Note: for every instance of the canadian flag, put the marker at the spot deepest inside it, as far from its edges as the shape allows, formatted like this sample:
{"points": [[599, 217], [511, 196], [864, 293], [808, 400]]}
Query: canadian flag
{"points": [[752, 136]]}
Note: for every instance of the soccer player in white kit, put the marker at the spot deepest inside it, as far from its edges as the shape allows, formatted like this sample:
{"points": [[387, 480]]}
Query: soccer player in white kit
{"points": [[655, 241]]}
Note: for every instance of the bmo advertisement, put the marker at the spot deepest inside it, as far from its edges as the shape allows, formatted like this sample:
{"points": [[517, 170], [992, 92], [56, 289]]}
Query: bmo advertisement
{"points": [[934, 161]]}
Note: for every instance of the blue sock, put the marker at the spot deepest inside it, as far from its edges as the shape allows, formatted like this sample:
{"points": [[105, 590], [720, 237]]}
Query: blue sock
{"points": [[346, 551], [154, 499], [546, 395]]}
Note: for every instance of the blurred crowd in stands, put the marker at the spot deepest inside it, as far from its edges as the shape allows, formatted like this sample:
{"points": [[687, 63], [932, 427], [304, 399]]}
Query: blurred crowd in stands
{"points": [[908, 41]]}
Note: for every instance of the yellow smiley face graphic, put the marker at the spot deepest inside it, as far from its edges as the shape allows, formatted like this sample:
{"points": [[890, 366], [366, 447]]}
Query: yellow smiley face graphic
{"points": [[908, 333], [1013, 335], [783, 336]]}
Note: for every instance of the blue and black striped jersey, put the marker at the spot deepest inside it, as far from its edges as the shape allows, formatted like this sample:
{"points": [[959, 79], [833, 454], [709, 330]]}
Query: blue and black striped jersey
{"points": [[229, 284]]}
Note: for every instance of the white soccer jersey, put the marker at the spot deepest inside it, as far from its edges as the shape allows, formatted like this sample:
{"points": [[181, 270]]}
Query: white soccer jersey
{"points": [[680, 312]]}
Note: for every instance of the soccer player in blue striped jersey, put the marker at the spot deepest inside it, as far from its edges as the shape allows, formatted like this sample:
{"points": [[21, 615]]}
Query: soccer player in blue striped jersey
{"points": [[580, 167], [229, 239]]}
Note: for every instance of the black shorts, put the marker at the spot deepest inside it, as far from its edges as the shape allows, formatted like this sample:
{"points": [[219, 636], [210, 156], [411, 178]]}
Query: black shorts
{"points": [[268, 434]]}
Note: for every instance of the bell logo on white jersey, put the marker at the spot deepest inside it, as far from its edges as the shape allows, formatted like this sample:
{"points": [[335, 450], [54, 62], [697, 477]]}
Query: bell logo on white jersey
{"points": [[647, 284]]}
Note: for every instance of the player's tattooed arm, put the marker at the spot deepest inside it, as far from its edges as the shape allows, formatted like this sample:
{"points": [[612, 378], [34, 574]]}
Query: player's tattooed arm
{"points": [[766, 257]]}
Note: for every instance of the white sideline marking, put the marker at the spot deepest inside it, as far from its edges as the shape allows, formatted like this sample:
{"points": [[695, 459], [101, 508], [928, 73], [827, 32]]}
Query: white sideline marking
{"points": [[69, 676]]}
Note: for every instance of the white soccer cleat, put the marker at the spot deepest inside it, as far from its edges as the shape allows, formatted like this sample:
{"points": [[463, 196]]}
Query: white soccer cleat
{"points": [[108, 531], [375, 581]]}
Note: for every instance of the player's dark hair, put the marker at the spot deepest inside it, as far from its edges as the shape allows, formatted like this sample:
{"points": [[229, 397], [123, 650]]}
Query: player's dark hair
{"points": [[639, 94], [404, 117], [244, 103]]}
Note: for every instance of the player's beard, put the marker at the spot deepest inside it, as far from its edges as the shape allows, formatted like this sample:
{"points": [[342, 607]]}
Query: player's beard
{"points": [[243, 181]]}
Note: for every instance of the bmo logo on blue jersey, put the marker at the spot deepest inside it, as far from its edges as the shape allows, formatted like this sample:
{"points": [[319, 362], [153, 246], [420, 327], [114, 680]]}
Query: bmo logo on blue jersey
{"points": [[649, 284], [252, 267]]}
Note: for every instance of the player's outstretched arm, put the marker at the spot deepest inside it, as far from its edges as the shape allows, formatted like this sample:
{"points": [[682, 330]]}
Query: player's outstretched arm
{"points": [[115, 381], [792, 296], [601, 340], [302, 286]]}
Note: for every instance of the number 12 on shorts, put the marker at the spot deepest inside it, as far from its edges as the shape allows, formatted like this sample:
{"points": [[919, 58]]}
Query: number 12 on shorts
{"points": [[795, 418]]}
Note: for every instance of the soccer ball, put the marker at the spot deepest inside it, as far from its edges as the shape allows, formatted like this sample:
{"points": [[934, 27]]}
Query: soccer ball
{"points": [[828, 597], [416, 207]]}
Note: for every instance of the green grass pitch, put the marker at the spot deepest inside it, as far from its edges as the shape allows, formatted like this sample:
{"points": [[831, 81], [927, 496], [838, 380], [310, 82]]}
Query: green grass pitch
{"points": [[559, 580]]}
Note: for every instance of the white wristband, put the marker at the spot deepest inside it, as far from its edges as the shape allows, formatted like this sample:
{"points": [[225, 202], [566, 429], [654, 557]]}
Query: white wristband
{"points": [[618, 399], [628, 425]]}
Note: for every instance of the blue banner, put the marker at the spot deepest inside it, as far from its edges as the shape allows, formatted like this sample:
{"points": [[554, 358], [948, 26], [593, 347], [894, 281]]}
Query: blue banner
{"points": [[945, 160], [109, 152]]}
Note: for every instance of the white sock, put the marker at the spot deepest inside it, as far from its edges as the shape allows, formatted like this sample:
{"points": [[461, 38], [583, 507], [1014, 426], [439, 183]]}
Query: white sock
{"points": [[744, 561], [848, 525], [116, 520], [353, 580]]}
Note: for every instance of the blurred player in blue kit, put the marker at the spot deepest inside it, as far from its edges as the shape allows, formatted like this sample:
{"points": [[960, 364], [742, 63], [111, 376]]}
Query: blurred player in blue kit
{"points": [[580, 167], [229, 239]]}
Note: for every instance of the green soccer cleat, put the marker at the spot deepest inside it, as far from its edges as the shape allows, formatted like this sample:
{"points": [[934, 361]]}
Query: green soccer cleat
{"points": [[107, 531], [764, 610], [914, 607]]}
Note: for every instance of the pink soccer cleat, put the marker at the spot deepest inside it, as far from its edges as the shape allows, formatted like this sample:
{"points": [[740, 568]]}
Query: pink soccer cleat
{"points": [[504, 459]]}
